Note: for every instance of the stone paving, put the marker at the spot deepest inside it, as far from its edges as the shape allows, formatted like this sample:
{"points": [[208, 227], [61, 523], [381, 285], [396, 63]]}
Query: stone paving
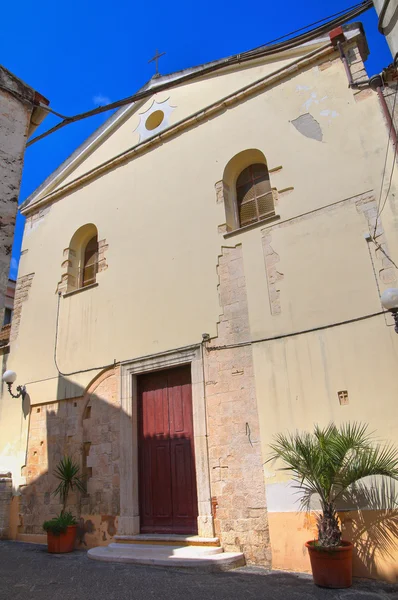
{"points": [[27, 571]]}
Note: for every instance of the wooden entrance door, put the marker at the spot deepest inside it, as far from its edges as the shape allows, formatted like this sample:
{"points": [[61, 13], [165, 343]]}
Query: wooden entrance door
{"points": [[167, 479]]}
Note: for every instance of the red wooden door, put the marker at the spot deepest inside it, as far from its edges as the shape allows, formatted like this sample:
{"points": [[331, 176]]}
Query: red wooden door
{"points": [[167, 480]]}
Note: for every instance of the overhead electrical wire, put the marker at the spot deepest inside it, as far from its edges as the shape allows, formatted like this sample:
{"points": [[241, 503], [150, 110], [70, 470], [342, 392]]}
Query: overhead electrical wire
{"points": [[336, 19], [334, 15], [379, 211], [100, 368], [265, 50], [208, 348], [295, 333], [385, 167], [394, 159]]}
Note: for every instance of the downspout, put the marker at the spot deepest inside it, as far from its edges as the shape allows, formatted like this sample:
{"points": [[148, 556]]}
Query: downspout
{"points": [[343, 57], [212, 500], [346, 65], [376, 83]]}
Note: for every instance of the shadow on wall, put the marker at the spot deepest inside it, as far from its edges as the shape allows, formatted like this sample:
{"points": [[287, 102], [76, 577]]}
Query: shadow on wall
{"points": [[373, 528], [86, 428]]}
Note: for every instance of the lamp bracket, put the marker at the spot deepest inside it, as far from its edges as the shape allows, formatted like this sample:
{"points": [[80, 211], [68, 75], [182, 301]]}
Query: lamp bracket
{"points": [[21, 389]]}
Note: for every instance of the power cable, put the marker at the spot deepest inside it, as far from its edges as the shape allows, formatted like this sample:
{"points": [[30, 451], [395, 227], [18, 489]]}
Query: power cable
{"points": [[55, 352], [379, 212], [295, 333], [377, 282], [264, 50], [100, 368], [394, 159], [380, 247], [385, 166], [340, 13], [21, 98], [208, 348]]}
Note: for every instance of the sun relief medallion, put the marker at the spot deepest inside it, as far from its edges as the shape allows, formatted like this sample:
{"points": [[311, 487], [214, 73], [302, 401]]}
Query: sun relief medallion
{"points": [[155, 119]]}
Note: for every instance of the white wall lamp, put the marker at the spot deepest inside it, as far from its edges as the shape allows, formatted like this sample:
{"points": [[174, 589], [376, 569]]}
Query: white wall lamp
{"points": [[9, 377], [389, 300]]}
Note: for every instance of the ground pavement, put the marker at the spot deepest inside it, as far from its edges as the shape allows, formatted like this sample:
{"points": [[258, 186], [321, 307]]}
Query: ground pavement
{"points": [[27, 571]]}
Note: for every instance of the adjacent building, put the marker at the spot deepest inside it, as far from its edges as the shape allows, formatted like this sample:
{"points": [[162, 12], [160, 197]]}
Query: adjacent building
{"points": [[22, 109], [5, 330], [388, 23]]}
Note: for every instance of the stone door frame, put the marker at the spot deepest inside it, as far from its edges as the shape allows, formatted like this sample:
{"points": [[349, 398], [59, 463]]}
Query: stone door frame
{"points": [[129, 520]]}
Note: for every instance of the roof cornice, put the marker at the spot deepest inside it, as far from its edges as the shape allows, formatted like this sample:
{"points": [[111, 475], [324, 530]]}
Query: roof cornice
{"points": [[190, 121], [283, 50]]}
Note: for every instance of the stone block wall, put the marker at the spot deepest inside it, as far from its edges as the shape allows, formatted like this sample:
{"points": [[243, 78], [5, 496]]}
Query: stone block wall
{"points": [[87, 429], [70, 279], [5, 504], [102, 250], [237, 480], [386, 272], [21, 295], [15, 114], [359, 74]]}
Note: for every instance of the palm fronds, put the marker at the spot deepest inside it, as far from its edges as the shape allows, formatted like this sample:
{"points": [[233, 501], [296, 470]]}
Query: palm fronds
{"points": [[329, 460], [67, 471]]}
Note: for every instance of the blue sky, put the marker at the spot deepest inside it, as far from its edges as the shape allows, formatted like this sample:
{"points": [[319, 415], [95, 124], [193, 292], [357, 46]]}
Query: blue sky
{"points": [[80, 54]]}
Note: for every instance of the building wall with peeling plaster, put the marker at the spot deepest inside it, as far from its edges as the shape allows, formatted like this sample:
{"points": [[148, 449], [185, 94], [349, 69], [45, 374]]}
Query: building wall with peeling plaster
{"points": [[15, 112], [163, 219], [16, 109]]}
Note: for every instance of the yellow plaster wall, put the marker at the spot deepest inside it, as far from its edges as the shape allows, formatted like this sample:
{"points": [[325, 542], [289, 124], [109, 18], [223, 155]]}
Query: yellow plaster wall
{"points": [[159, 215], [371, 557], [328, 277], [330, 274], [186, 99]]}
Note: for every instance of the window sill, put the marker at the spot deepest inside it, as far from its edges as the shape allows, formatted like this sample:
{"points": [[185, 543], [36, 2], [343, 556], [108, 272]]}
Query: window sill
{"points": [[82, 289], [252, 226]]}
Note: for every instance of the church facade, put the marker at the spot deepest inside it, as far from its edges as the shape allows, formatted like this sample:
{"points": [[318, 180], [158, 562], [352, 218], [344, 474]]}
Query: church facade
{"points": [[194, 279]]}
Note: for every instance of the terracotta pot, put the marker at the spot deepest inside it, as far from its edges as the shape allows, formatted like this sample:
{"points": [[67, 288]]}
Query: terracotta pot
{"points": [[65, 542], [331, 567]]}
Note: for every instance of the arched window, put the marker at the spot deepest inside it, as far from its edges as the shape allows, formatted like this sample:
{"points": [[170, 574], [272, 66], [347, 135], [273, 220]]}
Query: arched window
{"points": [[82, 259], [245, 190], [90, 262], [254, 195]]}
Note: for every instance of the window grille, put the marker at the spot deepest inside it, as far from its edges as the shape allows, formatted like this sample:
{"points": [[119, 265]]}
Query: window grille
{"points": [[89, 270], [254, 195]]}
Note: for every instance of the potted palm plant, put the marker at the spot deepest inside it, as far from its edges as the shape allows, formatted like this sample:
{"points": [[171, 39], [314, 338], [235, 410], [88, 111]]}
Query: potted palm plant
{"points": [[61, 530], [325, 464]]}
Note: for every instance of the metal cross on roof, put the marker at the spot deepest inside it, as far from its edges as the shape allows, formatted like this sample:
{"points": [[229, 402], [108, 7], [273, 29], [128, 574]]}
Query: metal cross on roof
{"points": [[156, 59]]}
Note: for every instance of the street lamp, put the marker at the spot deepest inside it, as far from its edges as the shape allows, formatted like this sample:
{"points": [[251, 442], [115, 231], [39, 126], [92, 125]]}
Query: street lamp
{"points": [[389, 300], [9, 377]]}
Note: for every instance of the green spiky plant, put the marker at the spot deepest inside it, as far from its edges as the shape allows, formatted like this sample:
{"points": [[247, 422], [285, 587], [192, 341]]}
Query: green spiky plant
{"points": [[327, 462], [67, 471], [60, 523]]}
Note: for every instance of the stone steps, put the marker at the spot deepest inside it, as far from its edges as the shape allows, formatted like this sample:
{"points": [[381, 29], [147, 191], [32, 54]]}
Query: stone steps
{"points": [[168, 539], [204, 557]]}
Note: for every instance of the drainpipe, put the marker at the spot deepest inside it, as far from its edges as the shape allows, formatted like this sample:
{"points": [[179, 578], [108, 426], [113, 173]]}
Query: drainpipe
{"points": [[346, 65], [351, 82], [337, 38], [376, 83]]}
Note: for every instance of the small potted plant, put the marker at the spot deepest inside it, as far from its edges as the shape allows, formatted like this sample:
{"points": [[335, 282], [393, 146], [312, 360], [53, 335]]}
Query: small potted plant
{"points": [[61, 530], [325, 464]]}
